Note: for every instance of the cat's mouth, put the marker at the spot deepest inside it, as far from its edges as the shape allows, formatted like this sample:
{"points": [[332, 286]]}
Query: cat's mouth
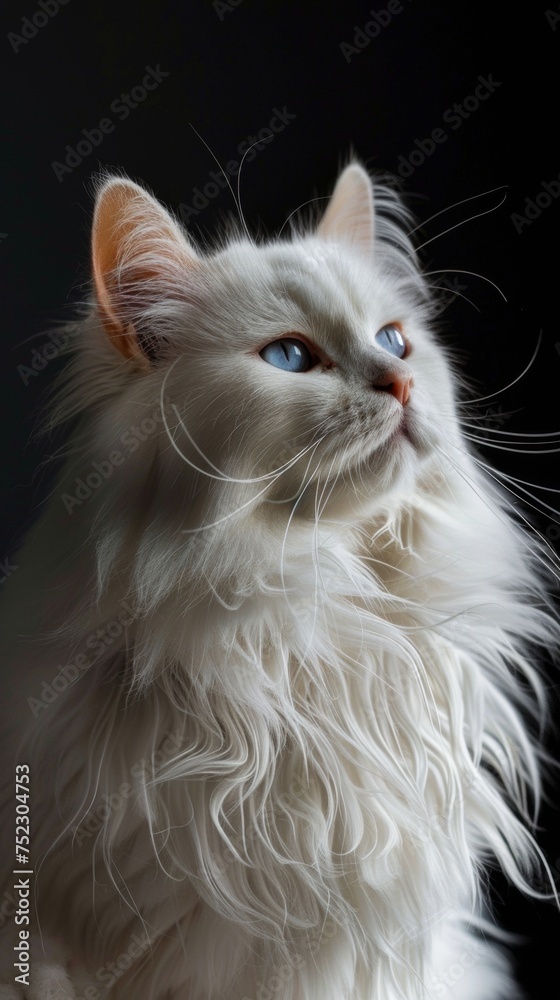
{"points": [[407, 433], [414, 431], [405, 426]]}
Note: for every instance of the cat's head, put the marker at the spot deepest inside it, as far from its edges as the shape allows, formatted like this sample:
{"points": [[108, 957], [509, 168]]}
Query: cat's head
{"points": [[296, 374]]}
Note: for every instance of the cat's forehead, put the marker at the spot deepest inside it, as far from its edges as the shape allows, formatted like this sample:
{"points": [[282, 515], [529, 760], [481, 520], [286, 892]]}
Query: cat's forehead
{"points": [[322, 279]]}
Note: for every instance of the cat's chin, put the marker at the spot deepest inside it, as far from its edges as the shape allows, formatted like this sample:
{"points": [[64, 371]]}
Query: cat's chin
{"points": [[411, 439], [414, 431], [374, 474]]}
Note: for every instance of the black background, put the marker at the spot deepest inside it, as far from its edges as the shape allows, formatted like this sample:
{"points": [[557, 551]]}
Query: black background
{"points": [[229, 66]]}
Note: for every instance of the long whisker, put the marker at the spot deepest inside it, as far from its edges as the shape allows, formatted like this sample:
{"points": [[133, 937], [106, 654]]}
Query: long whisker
{"points": [[456, 204], [482, 399], [316, 563], [248, 150], [519, 434], [456, 295], [456, 226], [520, 483], [549, 567], [222, 477], [236, 199], [290, 519], [473, 274], [298, 209], [232, 513], [504, 447]]}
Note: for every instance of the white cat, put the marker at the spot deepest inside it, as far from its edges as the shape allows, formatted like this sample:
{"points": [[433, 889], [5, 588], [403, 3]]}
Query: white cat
{"points": [[269, 653]]}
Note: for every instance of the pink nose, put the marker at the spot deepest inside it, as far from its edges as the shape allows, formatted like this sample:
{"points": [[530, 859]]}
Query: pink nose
{"points": [[398, 386]]}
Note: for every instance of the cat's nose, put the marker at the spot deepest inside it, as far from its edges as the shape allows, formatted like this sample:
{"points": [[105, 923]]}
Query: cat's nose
{"points": [[398, 385]]}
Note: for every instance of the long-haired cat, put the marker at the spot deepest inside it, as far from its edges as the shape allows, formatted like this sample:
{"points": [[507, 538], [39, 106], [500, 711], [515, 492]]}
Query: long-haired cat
{"points": [[269, 652]]}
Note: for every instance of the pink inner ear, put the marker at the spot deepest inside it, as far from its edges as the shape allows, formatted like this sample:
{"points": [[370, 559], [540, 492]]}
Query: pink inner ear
{"points": [[110, 232], [134, 240], [349, 217]]}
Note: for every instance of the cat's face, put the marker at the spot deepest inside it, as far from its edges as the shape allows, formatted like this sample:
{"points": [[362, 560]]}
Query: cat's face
{"points": [[303, 368]]}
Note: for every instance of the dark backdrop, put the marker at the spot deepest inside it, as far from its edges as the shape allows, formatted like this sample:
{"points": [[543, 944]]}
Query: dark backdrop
{"points": [[460, 100]]}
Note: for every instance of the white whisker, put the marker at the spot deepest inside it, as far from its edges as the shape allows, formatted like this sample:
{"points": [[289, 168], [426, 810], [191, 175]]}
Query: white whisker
{"points": [[472, 274], [514, 434], [492, 395], [504, 447], [463, 223], [237, 199], [456, 204]]}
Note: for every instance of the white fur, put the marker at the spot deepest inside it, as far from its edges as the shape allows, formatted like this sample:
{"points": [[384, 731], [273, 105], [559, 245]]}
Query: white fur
{"points": [[284, 777]]}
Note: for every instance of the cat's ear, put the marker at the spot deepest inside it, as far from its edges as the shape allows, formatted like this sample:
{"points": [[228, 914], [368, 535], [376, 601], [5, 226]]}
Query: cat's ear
{"points": [[349, 217], [139, 256]]}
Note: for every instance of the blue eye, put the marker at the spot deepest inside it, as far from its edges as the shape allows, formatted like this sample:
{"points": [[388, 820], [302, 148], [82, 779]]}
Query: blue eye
{"points": [[290, 355], [391, 339]]}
